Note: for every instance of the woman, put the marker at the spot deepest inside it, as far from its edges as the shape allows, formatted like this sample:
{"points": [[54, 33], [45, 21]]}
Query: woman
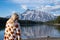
{"points": [[12, 30]]}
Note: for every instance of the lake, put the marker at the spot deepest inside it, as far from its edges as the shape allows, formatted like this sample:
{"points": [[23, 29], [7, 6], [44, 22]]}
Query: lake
{"points": [[37, 31]]}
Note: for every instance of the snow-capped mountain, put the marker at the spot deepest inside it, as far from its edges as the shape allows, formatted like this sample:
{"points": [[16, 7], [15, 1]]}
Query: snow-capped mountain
{"points": [[36, 15]]}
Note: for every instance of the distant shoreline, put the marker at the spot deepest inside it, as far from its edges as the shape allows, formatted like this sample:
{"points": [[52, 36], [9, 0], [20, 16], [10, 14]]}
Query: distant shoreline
{"points": [[57, 24], [44, 38]]}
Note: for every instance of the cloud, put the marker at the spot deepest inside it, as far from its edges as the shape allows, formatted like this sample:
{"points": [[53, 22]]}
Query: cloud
{"points": [[41, 2], [57, 2], [49, 8], [34, 1], [43, 5], [24, 7], [54, 8]]}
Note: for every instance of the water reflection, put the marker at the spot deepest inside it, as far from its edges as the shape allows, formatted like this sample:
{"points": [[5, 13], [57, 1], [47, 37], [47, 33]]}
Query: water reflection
{"points": [[58, 28], [37, 31], [40, 31], [1, 34]]}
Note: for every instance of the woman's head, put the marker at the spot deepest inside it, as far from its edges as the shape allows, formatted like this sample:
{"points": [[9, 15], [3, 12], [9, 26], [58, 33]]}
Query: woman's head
{"points": [[15, 16]]}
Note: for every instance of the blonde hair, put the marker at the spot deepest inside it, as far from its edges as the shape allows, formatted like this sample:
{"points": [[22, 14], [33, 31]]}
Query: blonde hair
{"points": [[13, 17]]}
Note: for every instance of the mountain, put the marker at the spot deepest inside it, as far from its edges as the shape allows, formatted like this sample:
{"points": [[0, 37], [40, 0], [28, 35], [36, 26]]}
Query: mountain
{"points": [[36, 15]]}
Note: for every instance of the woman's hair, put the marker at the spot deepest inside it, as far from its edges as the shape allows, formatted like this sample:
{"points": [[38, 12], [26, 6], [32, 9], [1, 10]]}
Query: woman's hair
{"points": [[15, 16]]}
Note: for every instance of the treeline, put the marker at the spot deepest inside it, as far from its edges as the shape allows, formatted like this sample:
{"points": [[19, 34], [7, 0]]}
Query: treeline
{"points": [[22, 22], [2, 23], [56, 21]]}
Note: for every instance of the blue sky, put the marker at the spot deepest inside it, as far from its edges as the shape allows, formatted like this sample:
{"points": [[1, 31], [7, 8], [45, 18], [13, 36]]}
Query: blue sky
{"points": [[7, 7]]}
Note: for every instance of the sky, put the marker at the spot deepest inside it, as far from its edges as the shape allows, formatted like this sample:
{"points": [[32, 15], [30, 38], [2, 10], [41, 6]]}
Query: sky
{"points": [[7, 7]]}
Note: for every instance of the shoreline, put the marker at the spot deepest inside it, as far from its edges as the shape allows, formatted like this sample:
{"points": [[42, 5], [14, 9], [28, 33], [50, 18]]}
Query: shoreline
{"points": [[44, 38], [56, 24]]}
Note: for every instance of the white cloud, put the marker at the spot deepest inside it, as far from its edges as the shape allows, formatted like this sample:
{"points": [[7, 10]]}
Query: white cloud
{"points": [[43, 5], [49, 8], [57, 2], [41, 2], [24, 7], [34, 1], [54, 8]]}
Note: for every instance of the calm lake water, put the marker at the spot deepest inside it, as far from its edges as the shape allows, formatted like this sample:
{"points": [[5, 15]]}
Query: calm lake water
{"points": [[37, 31]]}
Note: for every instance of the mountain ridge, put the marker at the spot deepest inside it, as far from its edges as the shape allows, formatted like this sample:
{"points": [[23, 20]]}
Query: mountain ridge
{"points": [[36, 15]]}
